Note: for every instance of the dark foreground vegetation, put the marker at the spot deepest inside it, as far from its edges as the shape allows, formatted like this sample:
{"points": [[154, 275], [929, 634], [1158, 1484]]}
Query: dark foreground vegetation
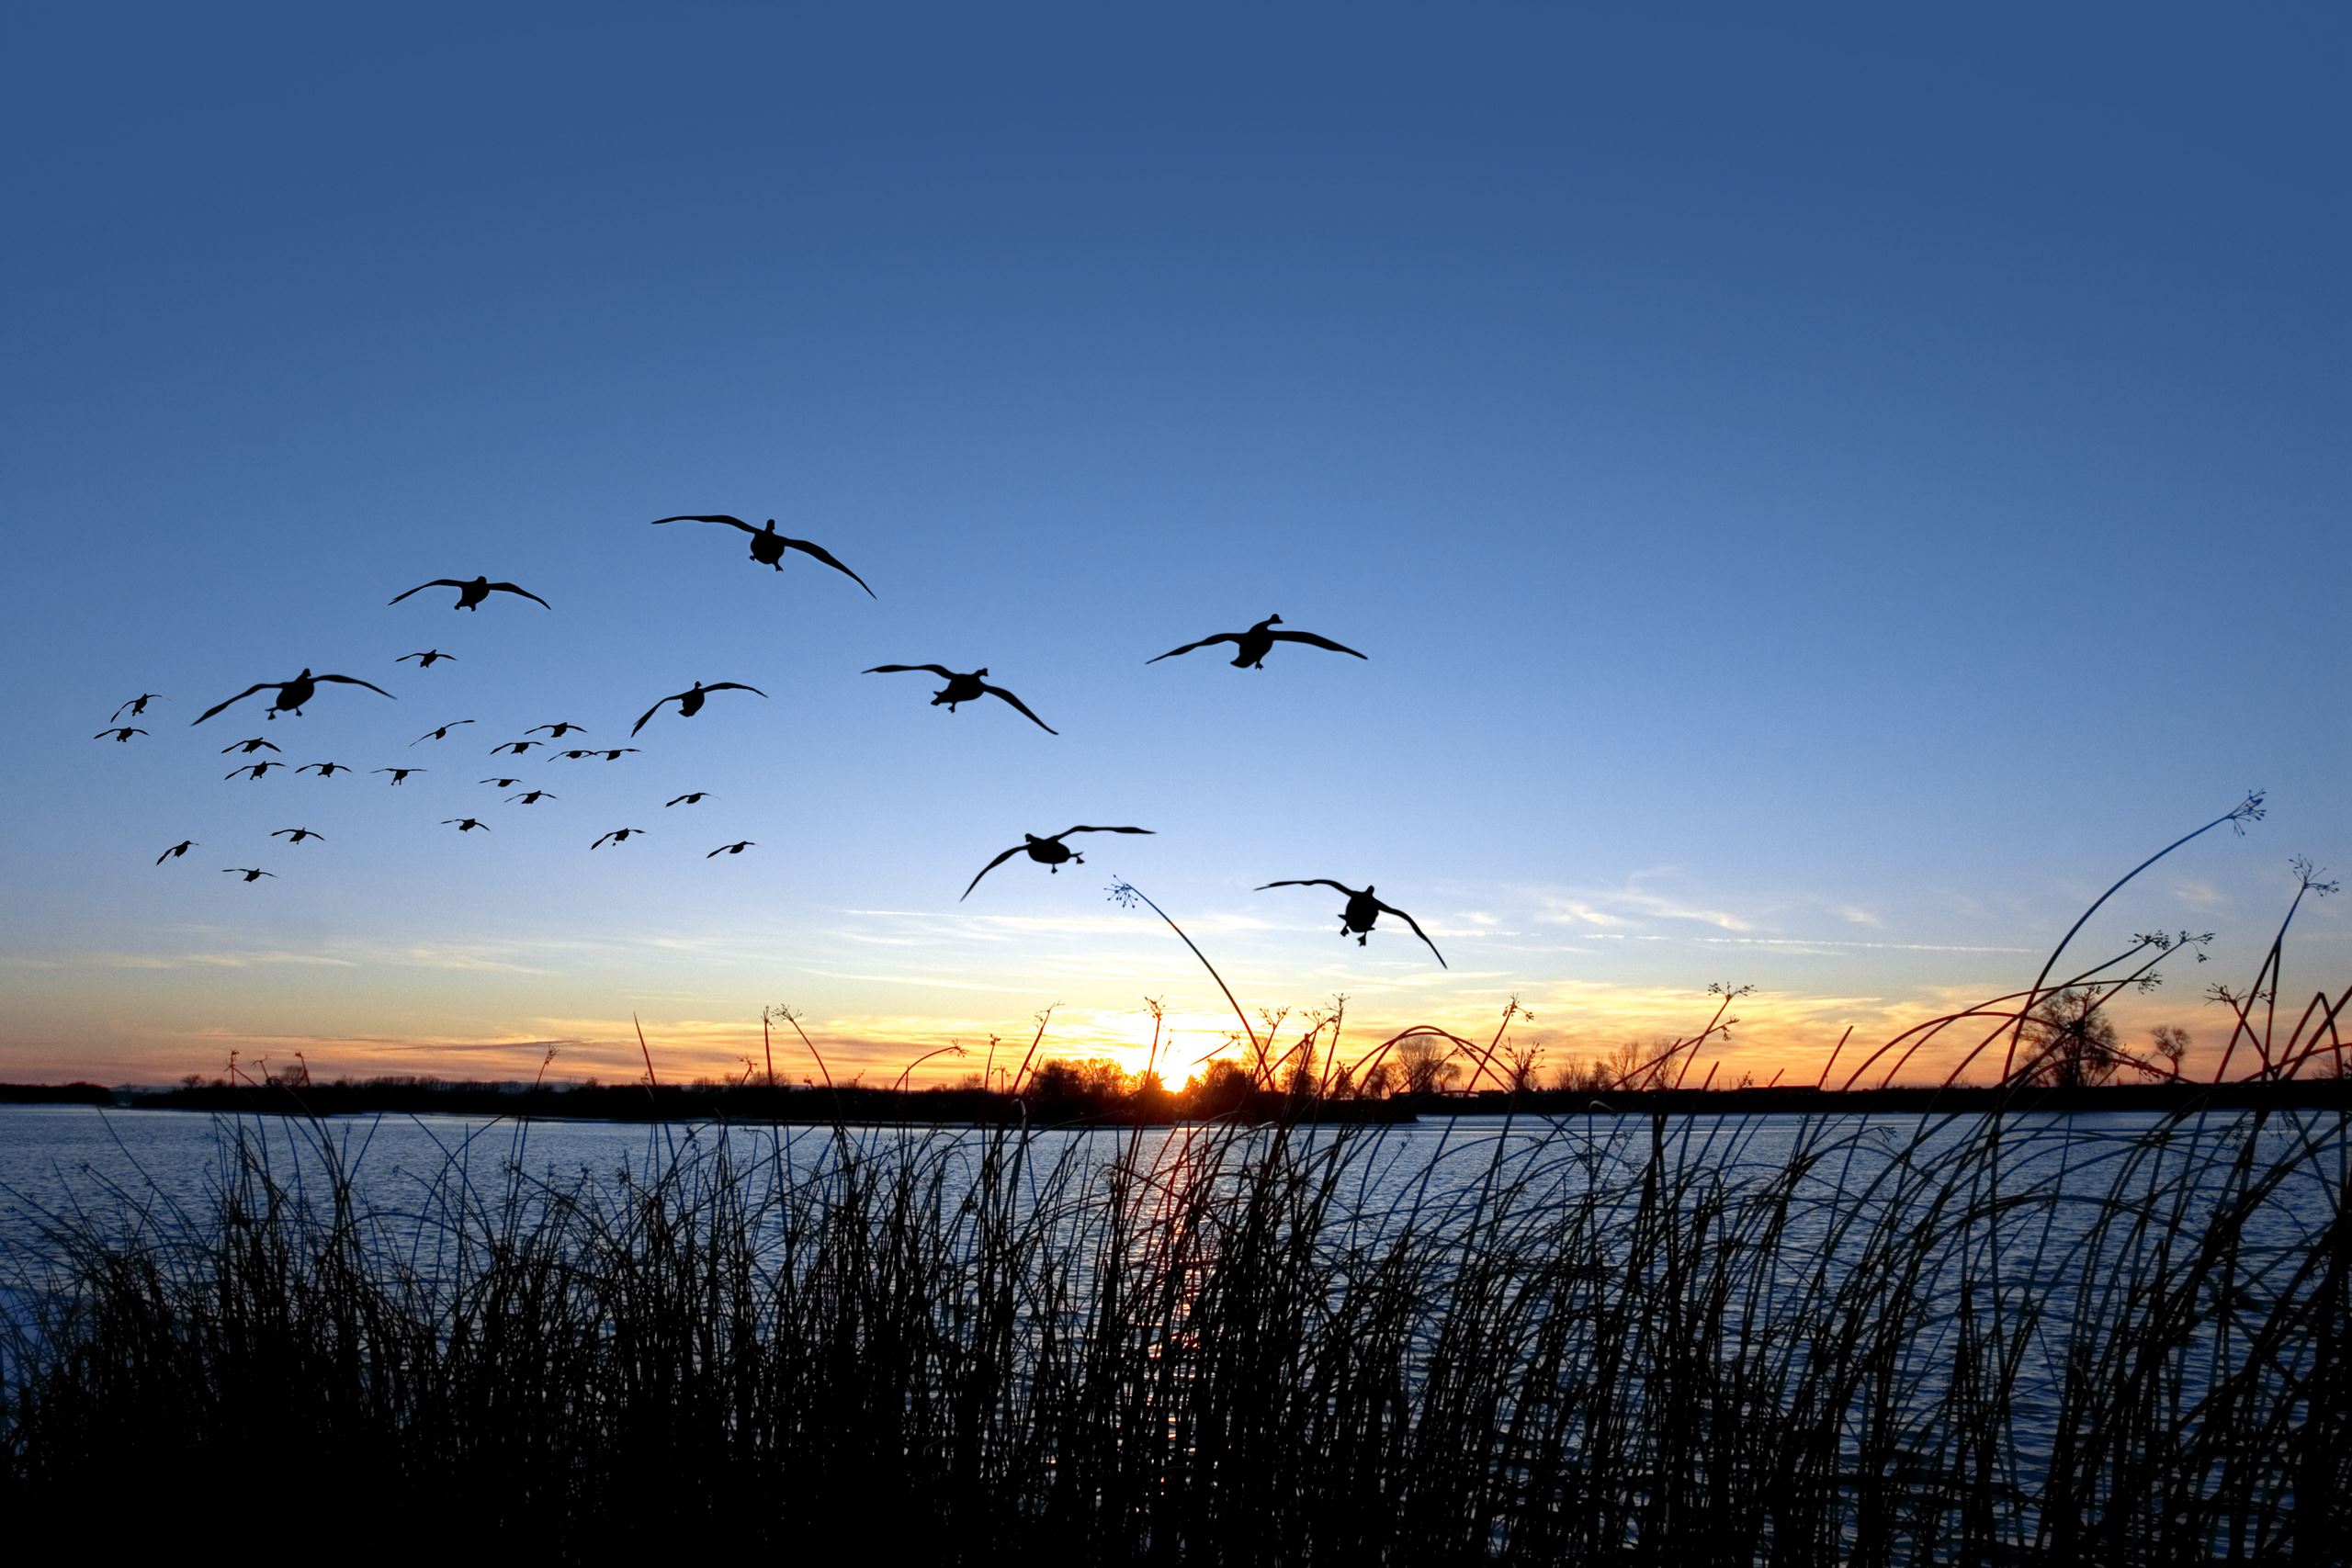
{"points": [[1971, 1337]]}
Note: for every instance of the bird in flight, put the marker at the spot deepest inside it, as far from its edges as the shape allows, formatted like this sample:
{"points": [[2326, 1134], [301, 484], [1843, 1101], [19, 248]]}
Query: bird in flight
{"points": [[768, 546], [179, 848], [502, 784], [121, 733], [326, 770], [431, 656], [440, 734], [291, 694], [532, 796], [465, 824], [1361, 911], [556, 731], [736, 848], [1051, 853], [137, 707], [255, 768], [250, 873], [697, 798], [247, 746], [471, 595], [617, 836], [296, 835], [517, 747], [1252, 646], [400, 775], [968, 688], [610, 753], [690, 702]]}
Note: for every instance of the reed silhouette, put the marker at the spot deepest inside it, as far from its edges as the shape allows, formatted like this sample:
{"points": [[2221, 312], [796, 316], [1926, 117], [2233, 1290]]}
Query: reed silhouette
{"points": [[1252, 646], [963, 688], [768, 546], [291, 694]]}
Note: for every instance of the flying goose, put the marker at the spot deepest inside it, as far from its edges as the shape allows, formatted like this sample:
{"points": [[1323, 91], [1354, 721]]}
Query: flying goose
{"points": [[690, 702], [617, 836], [556, 731], [1252, 646], [465, 824], [179, 848], [964, 689], [255, 768], [1048, 852], [426, 659], [121, 733], [291, 694], [138, 706], [440, 734], [697, 798], [610, 753], [296, 835], [249, 873], [502, 784], [1361, 911], [532, 796], [326, 770], [248, 747], [517, 747], [768, 546], [471, 595], [400, 775], [736, 848]]}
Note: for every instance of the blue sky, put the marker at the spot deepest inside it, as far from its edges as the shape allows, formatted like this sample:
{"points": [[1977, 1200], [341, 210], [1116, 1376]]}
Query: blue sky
{"points": [[1821, 495]]}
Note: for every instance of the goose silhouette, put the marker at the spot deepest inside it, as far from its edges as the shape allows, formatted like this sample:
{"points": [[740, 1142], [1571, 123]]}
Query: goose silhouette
{"points": [[250, 873], [291, 694], [179, 848], [1361, 911], [532, 796], [697, 798], [963, 688], [768, 546], [400, 775], [517, 747], [440, 734], [296, 835], [121, 733], [255, 768], [137, 705], [1051, 853], [736, 848], [471, 595], [430, 657], [610, 753], [690, 702], [1252, 646], [502, 784], [556, 731], [326, 770], [617, 836], [248, 747], [465, 824]]}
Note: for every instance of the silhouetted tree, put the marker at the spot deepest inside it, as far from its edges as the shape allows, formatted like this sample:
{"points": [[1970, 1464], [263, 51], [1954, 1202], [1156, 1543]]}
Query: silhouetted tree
{"points": [[1428, 1065], [2073, 1044]]}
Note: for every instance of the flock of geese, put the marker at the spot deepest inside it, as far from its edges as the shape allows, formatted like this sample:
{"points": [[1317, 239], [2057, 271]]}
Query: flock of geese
{"points": [[768, 548]]}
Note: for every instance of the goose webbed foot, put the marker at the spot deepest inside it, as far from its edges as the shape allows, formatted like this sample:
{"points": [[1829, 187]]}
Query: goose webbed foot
{"points": [[1362, 938]]}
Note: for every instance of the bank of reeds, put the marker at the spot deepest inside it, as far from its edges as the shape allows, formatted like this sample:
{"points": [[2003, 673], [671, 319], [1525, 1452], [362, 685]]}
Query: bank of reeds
{"points": [[1693, 1338]]}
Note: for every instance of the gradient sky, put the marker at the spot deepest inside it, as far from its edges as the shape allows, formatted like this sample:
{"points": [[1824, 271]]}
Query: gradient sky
{"points": [[1822, 496]]}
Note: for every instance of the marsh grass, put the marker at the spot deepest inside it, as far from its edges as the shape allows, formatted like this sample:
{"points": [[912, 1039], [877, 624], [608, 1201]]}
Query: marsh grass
{"points": [[1687, 1338]]}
